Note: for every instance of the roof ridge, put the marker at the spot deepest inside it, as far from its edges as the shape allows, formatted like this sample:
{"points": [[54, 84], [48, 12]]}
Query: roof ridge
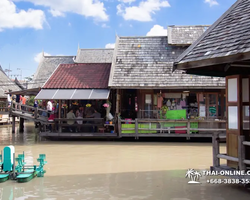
{"points": [[98, 49], [141, 36], [85, 63], [56, 56], [191, 47], [189, 25]]}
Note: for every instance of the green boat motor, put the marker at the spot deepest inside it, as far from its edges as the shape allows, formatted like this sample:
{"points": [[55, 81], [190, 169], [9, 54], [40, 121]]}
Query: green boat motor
{"points": [[40, 170], [21, 163], [8, 158], [7, 163]]}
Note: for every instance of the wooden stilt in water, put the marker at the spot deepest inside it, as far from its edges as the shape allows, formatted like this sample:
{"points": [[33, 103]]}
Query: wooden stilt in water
{"points": [[13, 124], [21, 125]]}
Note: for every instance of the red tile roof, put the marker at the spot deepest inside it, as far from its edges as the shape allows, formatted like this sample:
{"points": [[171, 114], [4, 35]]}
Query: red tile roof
{"points": [[79, 76]]}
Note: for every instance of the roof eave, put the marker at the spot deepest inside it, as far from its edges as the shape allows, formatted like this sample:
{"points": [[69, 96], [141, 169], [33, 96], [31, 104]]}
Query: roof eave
{"points": [[212, 61], [188, 50]]}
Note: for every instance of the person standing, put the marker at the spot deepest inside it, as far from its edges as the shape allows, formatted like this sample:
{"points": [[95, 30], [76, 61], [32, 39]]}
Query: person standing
{"points": [[17, 101], [9, 99], [23, 102], [49, 107], [71, 115]]}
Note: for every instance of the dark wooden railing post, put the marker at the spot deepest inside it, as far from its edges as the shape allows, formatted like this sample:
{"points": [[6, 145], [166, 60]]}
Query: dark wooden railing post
{"points": [[216, 149], [119, 126], [13, 124], [21, 125], [188, 127], [136, 129], [36, 113], [59, 122]]}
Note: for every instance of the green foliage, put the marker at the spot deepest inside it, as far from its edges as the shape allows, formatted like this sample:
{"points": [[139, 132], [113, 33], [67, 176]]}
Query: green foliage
{"points": [[31, 101]]}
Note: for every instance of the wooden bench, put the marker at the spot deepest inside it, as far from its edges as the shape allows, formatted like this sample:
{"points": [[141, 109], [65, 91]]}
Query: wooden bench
{"points": [[86, 122]]}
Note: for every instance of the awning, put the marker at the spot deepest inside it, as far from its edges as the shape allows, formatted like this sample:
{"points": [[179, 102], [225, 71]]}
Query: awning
{"points": [[73, 94]]}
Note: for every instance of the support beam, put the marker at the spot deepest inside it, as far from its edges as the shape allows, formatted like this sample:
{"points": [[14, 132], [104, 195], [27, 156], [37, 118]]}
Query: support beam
{"points": [[59, 116], [136, 128], [216, 150], [13, 124], [21, 125]]}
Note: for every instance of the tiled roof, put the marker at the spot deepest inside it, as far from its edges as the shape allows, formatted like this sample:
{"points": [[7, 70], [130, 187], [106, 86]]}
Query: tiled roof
{"points": [[229, 35], [146, 62], [80, 76], [94, 56], [6, 84], [46, 67], [185, 35]]}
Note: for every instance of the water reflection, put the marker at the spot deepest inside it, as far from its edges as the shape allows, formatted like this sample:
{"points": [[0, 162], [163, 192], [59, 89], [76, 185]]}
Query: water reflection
{"points": [[160, 185], [114, 170]]}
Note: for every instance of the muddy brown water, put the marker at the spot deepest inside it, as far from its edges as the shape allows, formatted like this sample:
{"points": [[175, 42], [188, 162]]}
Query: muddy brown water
{"points": [[114, 170]]}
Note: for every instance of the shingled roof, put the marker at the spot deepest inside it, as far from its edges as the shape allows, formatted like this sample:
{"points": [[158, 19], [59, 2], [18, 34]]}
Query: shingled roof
{"points": [[146, 62], [226, 41], [6, 84], [94, 56], [46, 67], [79, 76], [185, 35]]}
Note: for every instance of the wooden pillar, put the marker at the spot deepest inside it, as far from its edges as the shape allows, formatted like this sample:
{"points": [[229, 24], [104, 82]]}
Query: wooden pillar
{"points": [[136, 129], [36, 113], [59, 109], [59, 116], [21, 125], [13, 124], [216, 149]]}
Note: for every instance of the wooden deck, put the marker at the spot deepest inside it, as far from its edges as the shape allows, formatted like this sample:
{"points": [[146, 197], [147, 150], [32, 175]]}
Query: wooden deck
{"points": [[123, 128], [78, 135], [208, 135]]}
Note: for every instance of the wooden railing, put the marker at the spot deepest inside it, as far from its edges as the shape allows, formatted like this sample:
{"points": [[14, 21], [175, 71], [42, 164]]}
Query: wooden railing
{"points": [[160, 126], [241, 159], [30, 110], [79, 124]]}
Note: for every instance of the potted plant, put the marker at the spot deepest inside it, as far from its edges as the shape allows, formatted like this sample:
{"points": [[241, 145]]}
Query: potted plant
{"points": [[107, 105], [164, 110]]}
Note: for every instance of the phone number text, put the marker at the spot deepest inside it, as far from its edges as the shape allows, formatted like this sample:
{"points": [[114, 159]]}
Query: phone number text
{"points": [[228, 181]]}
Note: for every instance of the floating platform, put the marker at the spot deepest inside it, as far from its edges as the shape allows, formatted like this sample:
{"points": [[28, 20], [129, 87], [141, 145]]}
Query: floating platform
{"points": [[19, 172], [29, 174], [4, 177]]}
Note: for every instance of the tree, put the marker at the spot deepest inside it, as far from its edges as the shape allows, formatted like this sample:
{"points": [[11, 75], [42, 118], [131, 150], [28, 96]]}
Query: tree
{"points": [[190, 174]]}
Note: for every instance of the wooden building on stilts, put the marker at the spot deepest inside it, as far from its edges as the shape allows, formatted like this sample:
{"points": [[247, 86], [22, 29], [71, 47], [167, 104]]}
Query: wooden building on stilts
{"points": [[153, 101], [224, 51]]}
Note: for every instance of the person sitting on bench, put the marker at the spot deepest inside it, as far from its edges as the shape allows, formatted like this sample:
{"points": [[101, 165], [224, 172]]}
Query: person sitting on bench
{"points": [[71, 115], [95, 115]]}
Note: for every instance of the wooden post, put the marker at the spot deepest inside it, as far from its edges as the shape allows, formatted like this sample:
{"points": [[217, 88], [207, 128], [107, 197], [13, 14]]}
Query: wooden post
{"points": [[136, 129], [59, 116], [36, 113], [241, 152], [216, 149], [40, 127], [119, 127], [13, 124], [59, 109], [188, 127], [21, 125]]}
